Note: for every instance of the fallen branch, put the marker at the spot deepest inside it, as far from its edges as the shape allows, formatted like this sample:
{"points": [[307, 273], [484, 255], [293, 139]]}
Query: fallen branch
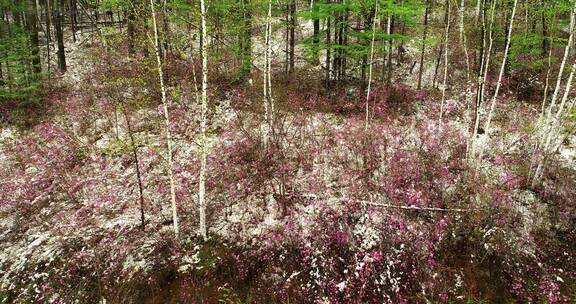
{"points": [[415, 208]]}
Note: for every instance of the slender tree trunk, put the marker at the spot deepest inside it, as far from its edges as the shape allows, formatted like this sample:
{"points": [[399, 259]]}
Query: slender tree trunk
{"points": [[477, 11], [134, 146], [463, 41], [364, 66], [562, 66], [550, 121], [165, 30], [316, 33], [480, 87], [437, 66], [389, 31], [401, 46], [72, 5], [367, 118], [423, 50], [502, 68], [246, 41], [287, 40], [167, 124], [16, 16], [328, 46], [444, 82], [554, 125], [440, 50], [292, 34], [32, 26], [60, 36], [97, 12], [337, 34], [131, 30], [488, 52], [267, 76], [547, 85], [344, 42], [545, 44], [48, 38], [203, 150]]}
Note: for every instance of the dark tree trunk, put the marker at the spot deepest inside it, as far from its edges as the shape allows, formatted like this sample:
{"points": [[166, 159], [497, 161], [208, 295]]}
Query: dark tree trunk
{"points": [[401, 46], [424, 36], [316, 33], [367, 26], [344, 43], [73, 20], [96, 12], [336, 59], [287, 41], [328, 41], [165, 30], [437, 66], [58, 24], [364, 66], [131, 29], [47, 19], [121, 20], [245, 41], [480, 88], [16, 16], [545, 44], [32, 26], [440, 49], [292, 34], [137, 166], [2, 81]]}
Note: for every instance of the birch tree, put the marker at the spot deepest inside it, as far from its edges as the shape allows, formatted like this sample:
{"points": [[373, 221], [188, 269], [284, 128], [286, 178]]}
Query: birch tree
{"points": [[203, 150], [552, 122], [267, 81], [553, 130], [444, 83], [367, 121], [479, 91], [562, 66], [463, 37], [501, 74], [489, 51], [166, 122]]}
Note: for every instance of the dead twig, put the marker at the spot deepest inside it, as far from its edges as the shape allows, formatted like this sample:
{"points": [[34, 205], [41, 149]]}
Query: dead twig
{"points": [[416, 208]]}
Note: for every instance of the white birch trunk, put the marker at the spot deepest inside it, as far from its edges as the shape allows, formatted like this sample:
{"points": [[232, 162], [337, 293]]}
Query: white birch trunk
{"points": [[266, 122], [489, 51], [502, 67], [444, 82], [367, 118], [547, 120], [203, 150], [269, 65], [470, 149], [554, 127], [167, 125], [547, 85], [562, 66], [477, 12], [463, 38]]}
